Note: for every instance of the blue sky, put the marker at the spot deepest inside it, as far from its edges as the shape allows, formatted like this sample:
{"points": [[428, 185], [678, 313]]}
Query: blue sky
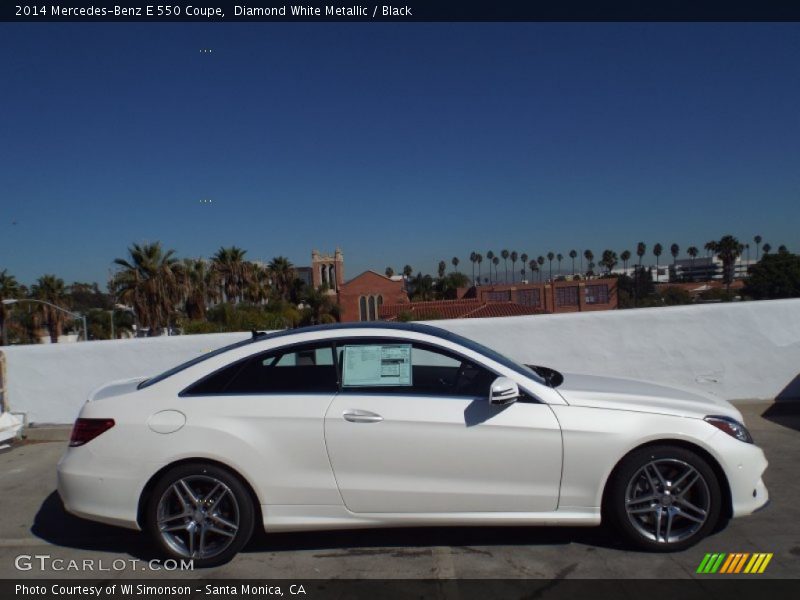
{"points": [[400, 143]]}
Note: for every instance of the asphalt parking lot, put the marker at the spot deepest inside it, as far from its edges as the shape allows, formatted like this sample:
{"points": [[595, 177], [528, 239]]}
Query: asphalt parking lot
{"points": [[33, 523]]}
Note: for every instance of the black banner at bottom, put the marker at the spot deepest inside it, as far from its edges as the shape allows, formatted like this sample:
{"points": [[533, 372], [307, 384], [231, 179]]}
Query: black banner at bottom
{"points": [[734, 588]]}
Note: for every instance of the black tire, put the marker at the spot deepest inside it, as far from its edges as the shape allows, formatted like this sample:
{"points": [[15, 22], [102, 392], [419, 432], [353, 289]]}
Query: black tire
{"points": [[670, 509], [215, 500]]}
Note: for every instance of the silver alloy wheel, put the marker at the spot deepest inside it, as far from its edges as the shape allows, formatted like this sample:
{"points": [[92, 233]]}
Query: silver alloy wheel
{"points": [[198, 516], [667, 500]]}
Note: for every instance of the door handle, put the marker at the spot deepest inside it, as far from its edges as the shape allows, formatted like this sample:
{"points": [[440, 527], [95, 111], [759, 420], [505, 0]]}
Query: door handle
{"points": [[361, 416]]}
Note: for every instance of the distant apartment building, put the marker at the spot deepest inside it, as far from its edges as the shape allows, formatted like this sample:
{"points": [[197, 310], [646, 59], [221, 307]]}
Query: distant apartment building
{"points": [[705, 268]]}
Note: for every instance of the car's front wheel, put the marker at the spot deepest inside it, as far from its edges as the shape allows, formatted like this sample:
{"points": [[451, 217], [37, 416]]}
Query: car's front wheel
{"points": [[664, 498], [201, 512]]}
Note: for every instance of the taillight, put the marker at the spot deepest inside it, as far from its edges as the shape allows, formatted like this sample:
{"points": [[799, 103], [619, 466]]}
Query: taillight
{"points": [[85, 430]]}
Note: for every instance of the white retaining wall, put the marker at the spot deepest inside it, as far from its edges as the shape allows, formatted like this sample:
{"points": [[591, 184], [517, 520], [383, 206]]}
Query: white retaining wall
{"points": [[744, 350]]}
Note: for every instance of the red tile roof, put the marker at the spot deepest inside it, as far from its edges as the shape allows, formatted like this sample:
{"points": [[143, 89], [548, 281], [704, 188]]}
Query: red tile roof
{"points": [[456, 309]]}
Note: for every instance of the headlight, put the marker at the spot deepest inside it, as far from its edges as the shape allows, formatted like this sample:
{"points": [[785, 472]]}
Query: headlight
{"points": [[732, 427]]}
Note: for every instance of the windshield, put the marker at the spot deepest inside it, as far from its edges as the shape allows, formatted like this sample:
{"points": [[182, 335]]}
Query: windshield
{"points": [[194, 361], [495, 356]]}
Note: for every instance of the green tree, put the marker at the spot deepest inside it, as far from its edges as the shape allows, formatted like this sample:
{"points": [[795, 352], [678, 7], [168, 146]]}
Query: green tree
{"points": [[589, 256], [282, 272], [149, 282], [455, 262], [727, 249], [641, 249], [657, 250], [495, 262], [514, 259], [550, 257], [198, 287], [505, 254], [692, 251], [389, 272], [535, 268], [490, 258], [757, 240], [625, 256], [442, 268], [774, 276], [766, 248], [473, 258], [573, 255], [608, 260], [407, 271], [9, 289], [50, 288], [559, 258], [479, 260], [524, 259], [232, 271]]}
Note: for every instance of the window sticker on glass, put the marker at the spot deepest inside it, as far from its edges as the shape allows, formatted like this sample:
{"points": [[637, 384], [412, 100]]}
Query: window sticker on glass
{"points": [[381, 364]]}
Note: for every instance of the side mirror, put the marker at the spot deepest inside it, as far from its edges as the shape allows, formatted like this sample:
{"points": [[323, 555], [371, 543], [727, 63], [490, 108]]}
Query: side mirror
{"points": [[503, 391]]}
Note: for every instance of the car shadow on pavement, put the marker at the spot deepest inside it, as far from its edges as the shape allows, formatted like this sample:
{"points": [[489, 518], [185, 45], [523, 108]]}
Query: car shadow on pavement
{"points": [[407, 541], [55, 525]]}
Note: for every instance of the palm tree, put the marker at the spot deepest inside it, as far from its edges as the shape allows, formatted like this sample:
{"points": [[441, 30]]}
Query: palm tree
{"points": [[455, 262], [625, 256], [9, 289], [51, 289], [641, 248], [540, 262], [479, 260], [534, 268], [674, 249], [757, 240], [495, 262], [766, 248], [550, 257], [283, 274], [692, 251], [389, 272], [747, 250], [559, 258], [608, 260], [505, 255], [442, 269], [149, 282], [524, 259], [407, 271], [232, 271], [573, 254], [490, 258], [589, 256], [657, 249], [196, 279], [473, 258], [514, 259], [727, 249]]}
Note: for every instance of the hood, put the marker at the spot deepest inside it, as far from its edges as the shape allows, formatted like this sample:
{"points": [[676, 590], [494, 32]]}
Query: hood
{"points": [[116, 388], [628, 394]]}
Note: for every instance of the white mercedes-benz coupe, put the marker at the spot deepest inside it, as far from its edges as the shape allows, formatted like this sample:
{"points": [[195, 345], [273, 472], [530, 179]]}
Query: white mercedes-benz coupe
{"points": [[381, 425]]}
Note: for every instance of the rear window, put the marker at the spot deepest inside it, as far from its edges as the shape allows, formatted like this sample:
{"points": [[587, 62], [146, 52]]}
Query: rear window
{"points": [[195, 361]]}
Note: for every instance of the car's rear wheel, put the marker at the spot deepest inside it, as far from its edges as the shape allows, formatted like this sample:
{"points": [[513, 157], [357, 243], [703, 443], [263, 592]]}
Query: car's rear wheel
{"points": [[201, 512], [664, 498]]}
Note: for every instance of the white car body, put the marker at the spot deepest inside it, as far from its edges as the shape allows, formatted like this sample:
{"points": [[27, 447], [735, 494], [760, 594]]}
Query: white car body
{"points": [[427, 461]]}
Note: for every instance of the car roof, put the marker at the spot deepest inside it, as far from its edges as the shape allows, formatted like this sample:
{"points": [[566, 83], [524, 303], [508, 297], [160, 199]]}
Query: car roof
{"points": [[393, 326]]}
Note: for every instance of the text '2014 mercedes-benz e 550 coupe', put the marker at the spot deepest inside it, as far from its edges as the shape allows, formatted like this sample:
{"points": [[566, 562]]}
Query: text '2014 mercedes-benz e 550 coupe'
{"points": [[382, 425]]}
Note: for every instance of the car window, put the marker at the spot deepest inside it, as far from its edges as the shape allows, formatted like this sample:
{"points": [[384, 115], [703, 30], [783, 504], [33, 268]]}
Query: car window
{"points": [[394, 367], [295, 370]]}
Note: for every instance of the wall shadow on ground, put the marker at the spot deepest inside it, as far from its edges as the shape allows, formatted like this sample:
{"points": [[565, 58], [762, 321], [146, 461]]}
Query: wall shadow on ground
{"points": [[785, 410]]}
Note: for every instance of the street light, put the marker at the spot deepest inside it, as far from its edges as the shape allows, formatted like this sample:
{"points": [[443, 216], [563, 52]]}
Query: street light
{"points": [[8, 301]]}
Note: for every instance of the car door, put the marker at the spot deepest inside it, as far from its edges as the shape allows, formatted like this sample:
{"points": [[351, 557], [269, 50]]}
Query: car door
{"points": [[412, 431]]}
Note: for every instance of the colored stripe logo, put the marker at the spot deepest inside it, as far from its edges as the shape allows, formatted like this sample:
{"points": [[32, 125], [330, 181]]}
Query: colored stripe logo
{"points": [[735, 562]]}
